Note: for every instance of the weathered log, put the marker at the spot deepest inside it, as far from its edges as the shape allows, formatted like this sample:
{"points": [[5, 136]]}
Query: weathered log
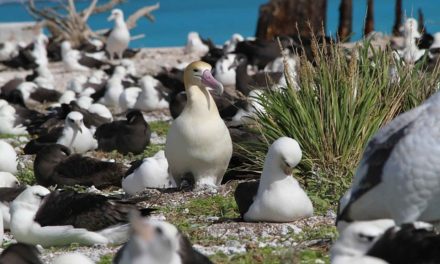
{"points": [[291, 18]]}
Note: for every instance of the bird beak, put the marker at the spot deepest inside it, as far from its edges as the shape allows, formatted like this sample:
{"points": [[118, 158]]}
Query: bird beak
{"points": [[78, 125], [111, 17], [210, 81], [287, 169]]}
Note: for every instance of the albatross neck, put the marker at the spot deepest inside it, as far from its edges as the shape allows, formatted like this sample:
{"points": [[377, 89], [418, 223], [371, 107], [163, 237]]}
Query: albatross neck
{"points": [[120, 23], [200, 100]]}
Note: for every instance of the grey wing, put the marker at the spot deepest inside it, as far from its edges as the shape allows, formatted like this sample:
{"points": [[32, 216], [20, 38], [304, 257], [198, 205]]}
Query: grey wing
{"points": [[377, 152]]}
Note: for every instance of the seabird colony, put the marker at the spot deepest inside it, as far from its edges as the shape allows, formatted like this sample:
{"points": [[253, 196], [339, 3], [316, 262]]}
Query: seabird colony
{"points": [[102, 109]]}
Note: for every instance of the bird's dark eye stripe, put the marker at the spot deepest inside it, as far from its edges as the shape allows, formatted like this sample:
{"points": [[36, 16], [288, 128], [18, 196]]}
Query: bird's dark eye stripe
{"points": [[195, 70], [159, 230]]}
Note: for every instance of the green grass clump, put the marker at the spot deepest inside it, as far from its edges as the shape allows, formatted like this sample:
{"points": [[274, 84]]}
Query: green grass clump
{"points": [[106, 259], [26, 176], [340, 104], [160, 127]]}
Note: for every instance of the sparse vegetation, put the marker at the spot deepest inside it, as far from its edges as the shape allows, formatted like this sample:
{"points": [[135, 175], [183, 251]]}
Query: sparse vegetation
{"points": [[340, 105]]}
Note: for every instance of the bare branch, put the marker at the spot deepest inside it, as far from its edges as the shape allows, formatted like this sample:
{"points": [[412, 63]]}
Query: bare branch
{"points": [[107, 6], [86, 13], [143, 12], [72, 8]]}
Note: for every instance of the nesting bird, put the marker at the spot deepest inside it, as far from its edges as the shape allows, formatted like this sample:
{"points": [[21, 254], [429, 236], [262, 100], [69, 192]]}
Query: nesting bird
{"points": [[152, 96], [74, 135], [398, 174], [277, 197], [194, 44], [55, 165], [131, 135], [9, 120], [119, 37], [380, 242], [198, 146], [8, 158], [57, 218], [154, 241], [70, 58], [150, 172]]}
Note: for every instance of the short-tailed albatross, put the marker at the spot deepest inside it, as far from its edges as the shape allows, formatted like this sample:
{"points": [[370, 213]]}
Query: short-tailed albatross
{"points": [[198, 146]]}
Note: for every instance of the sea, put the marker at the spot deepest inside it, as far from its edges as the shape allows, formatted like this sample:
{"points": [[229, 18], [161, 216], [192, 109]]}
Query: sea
{"points": [[219, 19]]}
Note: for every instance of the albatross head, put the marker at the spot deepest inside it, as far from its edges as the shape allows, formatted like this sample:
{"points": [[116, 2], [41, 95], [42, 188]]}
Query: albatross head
{"points": [[199, 73], [157, 240], [358, 237], [286, 153], [411, 28], [75, 121], [117, 15], [33, 195]]}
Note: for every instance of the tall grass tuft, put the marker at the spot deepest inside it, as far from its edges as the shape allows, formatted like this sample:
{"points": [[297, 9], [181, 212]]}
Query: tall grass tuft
{"points": [[342, 101]]}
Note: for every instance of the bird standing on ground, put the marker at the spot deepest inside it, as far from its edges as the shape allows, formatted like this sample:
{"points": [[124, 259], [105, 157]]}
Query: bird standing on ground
{"points": [[198, 146], [277, 197], [119, 37]]}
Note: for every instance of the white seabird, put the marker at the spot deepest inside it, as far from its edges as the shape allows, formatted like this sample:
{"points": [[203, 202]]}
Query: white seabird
{"points": [[8, 180], [154, 241], [128, 98], [39, 51], [72, 258], [65, 217], [151, 97], [411, 53], [198, 143], [355, 241], [150, 172], [9, 123], [114, 88], [374, 242], [224, 70], [230, 44], [100, 110], [8, 158], [70, 58], [248, 115], [119, 37], [45, 78], [8, 50], [398, 174], [194, 44], [76, 135], [279, 197]]}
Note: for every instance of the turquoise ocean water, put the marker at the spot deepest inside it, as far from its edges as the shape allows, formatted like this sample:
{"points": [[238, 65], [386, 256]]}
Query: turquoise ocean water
{"points": [[221, 18]]}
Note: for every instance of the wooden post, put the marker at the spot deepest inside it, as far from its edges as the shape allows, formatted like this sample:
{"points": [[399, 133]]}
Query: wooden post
{"points": [[369, 20], [345, 20], [398, 18]]}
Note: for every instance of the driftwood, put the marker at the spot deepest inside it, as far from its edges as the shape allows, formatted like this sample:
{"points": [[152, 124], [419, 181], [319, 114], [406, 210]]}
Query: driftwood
{"points": [[73, 25]]}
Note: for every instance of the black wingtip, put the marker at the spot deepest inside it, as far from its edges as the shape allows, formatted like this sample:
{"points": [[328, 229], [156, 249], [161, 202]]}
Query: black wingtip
{"points": [[147, 211]]}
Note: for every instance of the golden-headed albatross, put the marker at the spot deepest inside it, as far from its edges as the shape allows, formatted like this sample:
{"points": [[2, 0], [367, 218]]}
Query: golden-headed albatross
{"points": [[199, 146]]}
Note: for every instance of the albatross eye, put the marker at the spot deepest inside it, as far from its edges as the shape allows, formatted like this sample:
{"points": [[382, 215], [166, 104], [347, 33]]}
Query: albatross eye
{"points": [[159, 230], [196, 70]]}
